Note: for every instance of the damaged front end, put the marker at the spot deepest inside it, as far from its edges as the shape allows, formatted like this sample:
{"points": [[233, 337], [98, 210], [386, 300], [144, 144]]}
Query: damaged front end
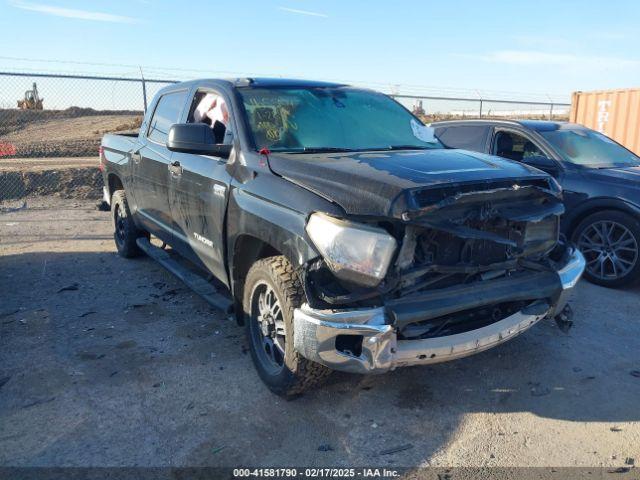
{"points": [[470, 267]]}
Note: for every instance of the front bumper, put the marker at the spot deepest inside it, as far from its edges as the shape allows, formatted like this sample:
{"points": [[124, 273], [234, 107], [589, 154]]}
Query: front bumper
{"points": [[316, 332]]}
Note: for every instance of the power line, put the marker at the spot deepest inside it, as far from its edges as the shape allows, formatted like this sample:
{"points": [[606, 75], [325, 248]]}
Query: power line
{"points": [[390, 87]]}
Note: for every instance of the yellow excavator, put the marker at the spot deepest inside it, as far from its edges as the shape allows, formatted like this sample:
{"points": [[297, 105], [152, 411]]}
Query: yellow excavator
{"points": [[32, 100]]}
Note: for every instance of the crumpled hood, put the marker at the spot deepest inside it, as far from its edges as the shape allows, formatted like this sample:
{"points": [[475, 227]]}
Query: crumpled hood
{"points": [[378, 183]]}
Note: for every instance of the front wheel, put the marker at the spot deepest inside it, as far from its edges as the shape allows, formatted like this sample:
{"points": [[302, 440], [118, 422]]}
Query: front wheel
{"points": [[610, 242], [271, 293]]}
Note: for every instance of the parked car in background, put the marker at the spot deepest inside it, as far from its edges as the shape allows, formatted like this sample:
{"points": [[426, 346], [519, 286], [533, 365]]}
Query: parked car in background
{"points": [[600, 179]]}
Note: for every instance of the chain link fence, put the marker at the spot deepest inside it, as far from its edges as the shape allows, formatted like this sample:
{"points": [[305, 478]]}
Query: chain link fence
{"points": [[433, 109], [51, 126]]}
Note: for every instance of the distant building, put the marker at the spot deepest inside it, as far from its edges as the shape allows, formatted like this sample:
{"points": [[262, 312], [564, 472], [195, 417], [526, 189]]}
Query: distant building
{"points": [[417, 110]]}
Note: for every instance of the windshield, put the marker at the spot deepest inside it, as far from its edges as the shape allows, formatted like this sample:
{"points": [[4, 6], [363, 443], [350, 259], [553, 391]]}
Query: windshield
{"points": [[589, 148], [331, 119]]}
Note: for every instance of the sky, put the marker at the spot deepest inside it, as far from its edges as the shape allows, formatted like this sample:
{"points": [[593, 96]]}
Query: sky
{"points": [[542, 47]]}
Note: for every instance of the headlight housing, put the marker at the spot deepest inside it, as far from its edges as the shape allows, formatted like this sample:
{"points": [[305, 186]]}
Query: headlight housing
{"points": [[354, 252]]}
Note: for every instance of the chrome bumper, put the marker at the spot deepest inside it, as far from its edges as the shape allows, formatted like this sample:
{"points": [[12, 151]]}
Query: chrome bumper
{"points": [[569, 275], [316, 332]]}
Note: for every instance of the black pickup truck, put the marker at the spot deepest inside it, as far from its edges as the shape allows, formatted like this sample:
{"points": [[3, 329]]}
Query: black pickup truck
{"points": [[348, 236]]}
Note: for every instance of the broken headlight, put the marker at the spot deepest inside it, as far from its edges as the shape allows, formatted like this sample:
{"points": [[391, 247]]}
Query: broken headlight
{"points": [[543, 235], [354, 252]]}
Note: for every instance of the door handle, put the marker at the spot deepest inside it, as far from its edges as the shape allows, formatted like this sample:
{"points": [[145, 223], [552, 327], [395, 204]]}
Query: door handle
{"points": [[175, 168], [136, 157]]}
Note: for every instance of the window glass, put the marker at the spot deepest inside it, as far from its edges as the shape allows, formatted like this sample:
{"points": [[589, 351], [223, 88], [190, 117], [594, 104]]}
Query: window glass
{"points": [[466, 137], [299, 119], [589, 148], [211, 109], [514, 146], [166, 114]]}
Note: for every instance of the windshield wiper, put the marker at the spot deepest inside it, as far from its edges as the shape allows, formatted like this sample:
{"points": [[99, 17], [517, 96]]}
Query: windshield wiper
{"points": [[326, 149], [407, 147], [344, 149], [606, 166]]}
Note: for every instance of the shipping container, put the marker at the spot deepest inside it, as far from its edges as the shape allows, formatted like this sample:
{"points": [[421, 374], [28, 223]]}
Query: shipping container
{"points": [[616, 113]]}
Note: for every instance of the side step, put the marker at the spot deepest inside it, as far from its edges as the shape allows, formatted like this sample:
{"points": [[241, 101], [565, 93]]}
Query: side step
{"points": [[194, 281]]}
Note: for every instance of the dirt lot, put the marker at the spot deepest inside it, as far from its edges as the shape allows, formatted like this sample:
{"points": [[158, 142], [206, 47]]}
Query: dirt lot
{"points": [[74, 132], [112, 362], [66, 177], [42, 164]]}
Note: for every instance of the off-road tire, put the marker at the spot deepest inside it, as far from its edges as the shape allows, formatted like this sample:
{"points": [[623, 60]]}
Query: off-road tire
{"points": [[629, 222], [125, 232], [298, 374]]}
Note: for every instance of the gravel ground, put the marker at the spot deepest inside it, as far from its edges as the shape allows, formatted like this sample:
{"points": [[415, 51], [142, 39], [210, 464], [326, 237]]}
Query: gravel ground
{"points": [[113, 362]]}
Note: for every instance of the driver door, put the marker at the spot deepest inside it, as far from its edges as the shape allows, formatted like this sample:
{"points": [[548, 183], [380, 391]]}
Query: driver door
{"points": [[520, 147], [198, 194], [517, 146]]}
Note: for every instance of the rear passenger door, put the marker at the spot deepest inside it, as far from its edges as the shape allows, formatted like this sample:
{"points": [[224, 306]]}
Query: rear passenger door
{"points": [[150, 166], [466, 137]]}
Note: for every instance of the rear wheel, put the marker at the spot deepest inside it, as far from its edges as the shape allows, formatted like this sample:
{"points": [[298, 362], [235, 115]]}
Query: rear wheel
{"points": [[271, 293], [610, 242], [125, 231]]}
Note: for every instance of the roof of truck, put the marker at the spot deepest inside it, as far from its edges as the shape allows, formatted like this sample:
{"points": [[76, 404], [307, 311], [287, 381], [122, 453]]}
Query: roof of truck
{"points": [[282, 82], [251, 83]]}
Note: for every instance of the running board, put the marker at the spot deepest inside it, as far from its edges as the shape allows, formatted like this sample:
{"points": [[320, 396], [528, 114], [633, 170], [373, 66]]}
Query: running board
{"points": [[194, 281]]}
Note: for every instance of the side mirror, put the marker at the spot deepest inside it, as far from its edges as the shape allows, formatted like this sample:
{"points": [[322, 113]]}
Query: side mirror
{"points": [[195, 138], [543, 163]]}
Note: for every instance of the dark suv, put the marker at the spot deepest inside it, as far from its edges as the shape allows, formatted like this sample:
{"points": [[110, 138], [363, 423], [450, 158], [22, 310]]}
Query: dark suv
{"points": [[600, 179]]}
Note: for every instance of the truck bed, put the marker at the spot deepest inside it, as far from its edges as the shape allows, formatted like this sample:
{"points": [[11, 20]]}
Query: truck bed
{"points": [[118, 146]]}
